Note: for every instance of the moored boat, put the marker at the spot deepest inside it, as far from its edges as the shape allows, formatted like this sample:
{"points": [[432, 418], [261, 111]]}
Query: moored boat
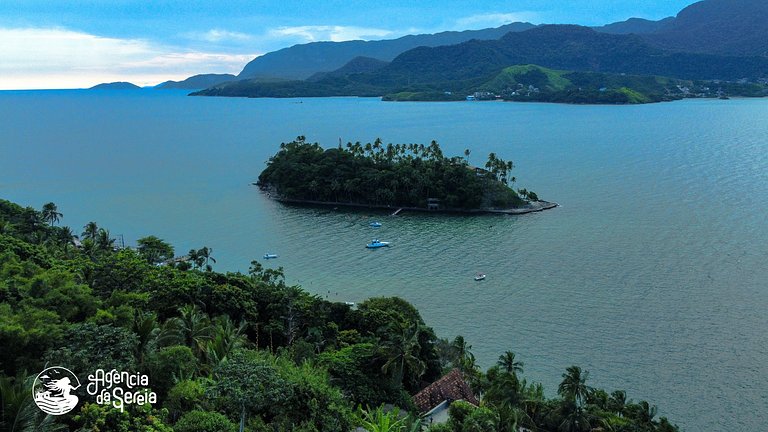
{"points": [[269, 256], [480, 276], [375, 244]]}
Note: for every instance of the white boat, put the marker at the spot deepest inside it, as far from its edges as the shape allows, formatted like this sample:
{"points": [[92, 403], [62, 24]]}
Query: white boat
{"points": [[375, 224], [480, 276], [375, 244], [269, 256]]}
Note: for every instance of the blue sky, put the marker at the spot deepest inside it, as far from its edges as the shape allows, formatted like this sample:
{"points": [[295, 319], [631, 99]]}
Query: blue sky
{"points": [[80, 43]]}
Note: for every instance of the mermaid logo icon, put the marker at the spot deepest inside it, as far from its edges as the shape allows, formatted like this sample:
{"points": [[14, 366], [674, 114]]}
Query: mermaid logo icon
{"points": [[52, 390]]}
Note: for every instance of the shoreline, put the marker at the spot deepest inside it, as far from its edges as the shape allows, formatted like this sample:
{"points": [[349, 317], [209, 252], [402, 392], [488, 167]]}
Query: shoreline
{"points": [[534, 207]]}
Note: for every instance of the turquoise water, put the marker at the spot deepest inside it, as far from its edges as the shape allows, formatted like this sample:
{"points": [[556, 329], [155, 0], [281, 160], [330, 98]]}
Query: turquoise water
{"points": [[651, 275]]}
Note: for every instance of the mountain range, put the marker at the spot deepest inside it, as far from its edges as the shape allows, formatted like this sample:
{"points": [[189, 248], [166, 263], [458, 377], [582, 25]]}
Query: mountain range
{"points": [[718, 27], [197, 82], [708, 40], [303, 61]]}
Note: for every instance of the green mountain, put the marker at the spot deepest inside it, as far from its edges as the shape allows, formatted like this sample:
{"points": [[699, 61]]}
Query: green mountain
{"points": [[565, 47], [636, 26], [723, 27], [355, 66], [450, 72], [197, 82], [302, 61], [538, 84]]}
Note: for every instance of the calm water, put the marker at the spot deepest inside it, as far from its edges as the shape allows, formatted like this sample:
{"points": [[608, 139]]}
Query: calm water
{"points": [[652, 275]]}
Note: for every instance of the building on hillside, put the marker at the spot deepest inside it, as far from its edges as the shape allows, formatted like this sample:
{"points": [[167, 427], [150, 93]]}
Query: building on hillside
{"points": [[433, 402]]}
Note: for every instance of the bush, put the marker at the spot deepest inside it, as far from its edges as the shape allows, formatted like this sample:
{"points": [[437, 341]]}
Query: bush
{"points": [[183, 397], [204, 421], [168, 364]]}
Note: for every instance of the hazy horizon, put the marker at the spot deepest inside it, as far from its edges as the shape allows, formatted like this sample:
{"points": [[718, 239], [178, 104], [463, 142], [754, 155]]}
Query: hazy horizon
{"points": [[53, 45]]}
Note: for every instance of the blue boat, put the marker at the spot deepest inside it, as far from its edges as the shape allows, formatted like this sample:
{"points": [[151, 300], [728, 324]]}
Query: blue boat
{"points": [[375, 244], [269, 256], [375, 224]]}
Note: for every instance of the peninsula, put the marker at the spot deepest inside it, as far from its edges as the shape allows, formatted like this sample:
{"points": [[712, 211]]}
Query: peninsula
{"points": [[413, 177]]}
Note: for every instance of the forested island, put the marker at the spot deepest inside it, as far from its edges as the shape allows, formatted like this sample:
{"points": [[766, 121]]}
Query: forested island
{"points": [[411, 176], [225, 351]]}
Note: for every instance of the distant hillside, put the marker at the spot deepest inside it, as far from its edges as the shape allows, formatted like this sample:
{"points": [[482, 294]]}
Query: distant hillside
{"points": [[533, 83], [725, 27], [197, 82], [563, 47], [120, 85], [302, 61], [444, 72], [636, 26], [355, 66]]}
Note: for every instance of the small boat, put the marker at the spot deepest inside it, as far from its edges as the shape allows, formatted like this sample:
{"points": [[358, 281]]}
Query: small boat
{"points": [[269, 256], [375, 244], [375, 224], [480, 276]]}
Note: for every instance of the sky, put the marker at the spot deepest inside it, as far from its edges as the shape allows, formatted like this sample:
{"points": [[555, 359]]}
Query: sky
{"points": [[80, 43]]}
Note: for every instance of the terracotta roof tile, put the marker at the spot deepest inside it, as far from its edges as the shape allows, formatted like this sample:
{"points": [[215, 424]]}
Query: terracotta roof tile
{"points": [[450, 387]]}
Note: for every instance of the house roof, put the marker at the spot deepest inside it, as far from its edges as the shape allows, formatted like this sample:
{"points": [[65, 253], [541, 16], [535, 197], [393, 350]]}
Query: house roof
{"points": [[451, 387]]}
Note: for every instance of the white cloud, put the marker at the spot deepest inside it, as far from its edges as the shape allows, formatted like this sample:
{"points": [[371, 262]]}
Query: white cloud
{"points": [[34, 58], [218, 35], [493, 20], [314, 33]]}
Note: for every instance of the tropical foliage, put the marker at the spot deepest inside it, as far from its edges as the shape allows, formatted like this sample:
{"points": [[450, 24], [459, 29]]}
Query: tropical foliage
{"points": [[232, 351], [396, 175]]}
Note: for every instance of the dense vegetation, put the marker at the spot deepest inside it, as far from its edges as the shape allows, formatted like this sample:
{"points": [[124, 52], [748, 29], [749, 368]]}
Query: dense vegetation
{"points": [[399, 175], [423, 73], [725, 28], [197, 81], [304, 60], [522, 83], [532, 83], [223, 349]]}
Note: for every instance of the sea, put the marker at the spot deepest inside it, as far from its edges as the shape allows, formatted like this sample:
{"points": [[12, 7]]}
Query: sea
{"points": [[652, 274]]}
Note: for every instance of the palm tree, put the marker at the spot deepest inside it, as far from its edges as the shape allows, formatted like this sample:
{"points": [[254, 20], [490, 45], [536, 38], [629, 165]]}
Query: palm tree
{"points": [[194, 257], [403, 352], [201, 257], [504, 391], [65, 237], [645, 414], [379, 420], [491, 164], [464, 360], [50, 213], [226, 338], [509, 364], [191, 328], [574, 387], [146, 327], [19, 412], [617, 402], [575, 418], [205, 255], [103, 241], [91, 230]]}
